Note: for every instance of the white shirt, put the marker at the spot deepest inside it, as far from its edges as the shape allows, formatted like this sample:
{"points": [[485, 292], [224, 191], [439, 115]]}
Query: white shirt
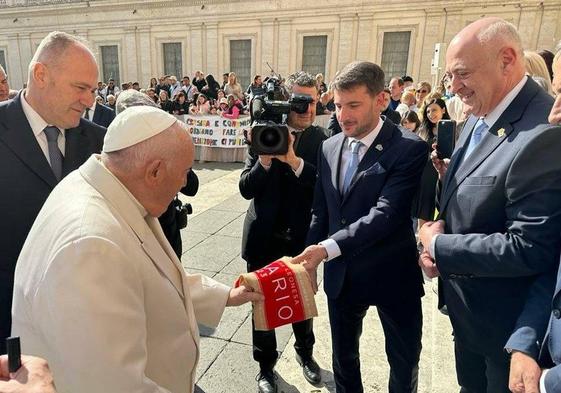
{"points": [[90, 115], [37, 126], [331, 246], [490, 119]]}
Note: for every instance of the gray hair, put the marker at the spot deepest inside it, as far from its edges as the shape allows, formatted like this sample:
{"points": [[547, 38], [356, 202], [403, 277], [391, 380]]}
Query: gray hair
{"points": [[503, 30], [53, 46], [130, 98], [302, 79], [360, 73]]}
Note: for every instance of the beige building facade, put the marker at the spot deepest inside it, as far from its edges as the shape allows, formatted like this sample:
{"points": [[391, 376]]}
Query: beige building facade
{"points": [[137, 40]]}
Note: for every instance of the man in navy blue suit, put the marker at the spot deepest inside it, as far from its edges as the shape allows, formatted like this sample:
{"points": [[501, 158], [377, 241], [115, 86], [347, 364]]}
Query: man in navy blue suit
{"points": [[540, 313], [361, 227], [99, 114], [500, 208]]}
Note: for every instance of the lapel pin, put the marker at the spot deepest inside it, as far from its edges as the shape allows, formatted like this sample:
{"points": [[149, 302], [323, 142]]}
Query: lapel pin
{"points": [[501, 132], [380, 147]]}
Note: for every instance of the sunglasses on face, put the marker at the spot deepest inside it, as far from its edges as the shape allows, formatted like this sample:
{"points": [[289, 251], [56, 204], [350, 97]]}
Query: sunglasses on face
{"points": [[422, 91]]}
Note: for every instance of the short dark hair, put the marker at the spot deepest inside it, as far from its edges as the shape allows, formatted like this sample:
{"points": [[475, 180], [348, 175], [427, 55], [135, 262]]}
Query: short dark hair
{"points": [[360, 73], [406, 78], [399, 81], [301, 78], [387, 90]]}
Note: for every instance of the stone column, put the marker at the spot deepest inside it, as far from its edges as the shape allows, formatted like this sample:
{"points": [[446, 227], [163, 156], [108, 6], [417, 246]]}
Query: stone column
{"points": [[365, 37], [284, 43], [17, 67], [267, 46], [196, 43], [144, 56], [211, 66], [346, 23], [129, 61]]}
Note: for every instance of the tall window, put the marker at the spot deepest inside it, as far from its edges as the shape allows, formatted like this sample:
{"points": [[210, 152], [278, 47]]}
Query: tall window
{"points": [[314, 54], [395, 52], [3, 60], [173, 60], [240, 61], [110, 63]]}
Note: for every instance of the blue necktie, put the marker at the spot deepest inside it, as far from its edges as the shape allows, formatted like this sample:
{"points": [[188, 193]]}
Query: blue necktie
{"points": [[353, 165], [476, 136], [55, 156]]}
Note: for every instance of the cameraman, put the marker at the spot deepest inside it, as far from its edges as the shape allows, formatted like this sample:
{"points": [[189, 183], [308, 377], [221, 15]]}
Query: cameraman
{"points": [[175, 217], [281, 191]]}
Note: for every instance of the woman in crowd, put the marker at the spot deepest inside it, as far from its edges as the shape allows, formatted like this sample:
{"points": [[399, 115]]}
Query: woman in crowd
{"points": [[423, 89], [211, 88], [322, 87], [411, 121], [180, 104], [424, 202], [202, 106], [233, 87], [233, 111], [165, 103], [153, 83], [537, 69]]}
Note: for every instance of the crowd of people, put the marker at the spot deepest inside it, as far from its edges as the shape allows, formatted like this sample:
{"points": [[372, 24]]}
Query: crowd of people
{"points": [[489, 219]]}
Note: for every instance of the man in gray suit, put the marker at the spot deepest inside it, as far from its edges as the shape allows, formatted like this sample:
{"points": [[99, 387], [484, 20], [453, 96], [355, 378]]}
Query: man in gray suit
{"points": [[500, 205]]}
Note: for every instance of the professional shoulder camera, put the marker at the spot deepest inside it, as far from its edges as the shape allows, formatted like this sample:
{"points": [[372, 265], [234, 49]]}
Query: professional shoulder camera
{"points": [[269, 133]]}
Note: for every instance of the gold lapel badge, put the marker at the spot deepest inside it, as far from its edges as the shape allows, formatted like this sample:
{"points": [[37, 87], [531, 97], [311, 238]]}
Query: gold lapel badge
{"points": [[501, 132], [380, 147]]}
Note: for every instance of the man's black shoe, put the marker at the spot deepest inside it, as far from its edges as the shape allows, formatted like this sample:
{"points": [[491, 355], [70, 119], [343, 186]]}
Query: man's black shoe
{"points": [[266, 381], [310, 369]]}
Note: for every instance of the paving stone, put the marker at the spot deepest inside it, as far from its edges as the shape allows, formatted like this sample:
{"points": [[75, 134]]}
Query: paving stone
{"points": [[233, 371], [210, 350], [211, 221], [208, 172], [212, 254], [234, 228], [191, 238], [235, 203], [235, 266]]}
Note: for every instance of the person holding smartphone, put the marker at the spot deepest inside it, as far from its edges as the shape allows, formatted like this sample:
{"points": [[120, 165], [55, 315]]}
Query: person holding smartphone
{"points": [[424, 201]]}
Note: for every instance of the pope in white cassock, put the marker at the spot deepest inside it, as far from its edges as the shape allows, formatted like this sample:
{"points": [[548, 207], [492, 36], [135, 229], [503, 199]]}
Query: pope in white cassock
{"points": [[99, 292]]}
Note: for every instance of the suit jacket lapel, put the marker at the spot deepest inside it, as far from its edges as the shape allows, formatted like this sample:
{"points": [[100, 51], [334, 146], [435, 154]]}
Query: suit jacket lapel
{"points": [[18, 137], [491, 141], [372, 155], [76, 150], [334, 159]]}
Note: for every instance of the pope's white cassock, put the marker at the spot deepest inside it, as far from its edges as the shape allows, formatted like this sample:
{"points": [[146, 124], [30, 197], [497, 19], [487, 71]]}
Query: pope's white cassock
{"points": [[100, 293]]}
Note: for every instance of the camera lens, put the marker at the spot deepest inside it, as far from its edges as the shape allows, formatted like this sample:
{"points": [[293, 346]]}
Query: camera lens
{"points": [[270, 137]]}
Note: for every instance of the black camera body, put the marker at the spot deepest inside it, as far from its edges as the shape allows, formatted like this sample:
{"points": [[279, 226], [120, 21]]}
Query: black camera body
{"points": [[181, 212], [269, 133]]}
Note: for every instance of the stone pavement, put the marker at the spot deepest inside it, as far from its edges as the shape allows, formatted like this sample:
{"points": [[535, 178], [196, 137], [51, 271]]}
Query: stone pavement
{"points": [[211, 245]]}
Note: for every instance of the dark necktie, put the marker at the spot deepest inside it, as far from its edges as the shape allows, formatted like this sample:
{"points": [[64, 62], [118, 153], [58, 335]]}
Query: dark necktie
{"points": [[87, 116], [55, 155]]}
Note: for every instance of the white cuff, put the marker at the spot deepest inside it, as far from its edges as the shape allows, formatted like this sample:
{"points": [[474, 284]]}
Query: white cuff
{"points": [[266, 167], [300, 168], [432, 247], [542, 381], [332, 248]]}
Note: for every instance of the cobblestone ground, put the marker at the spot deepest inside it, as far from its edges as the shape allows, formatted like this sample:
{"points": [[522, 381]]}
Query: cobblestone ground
{"points": [[211, 245]]}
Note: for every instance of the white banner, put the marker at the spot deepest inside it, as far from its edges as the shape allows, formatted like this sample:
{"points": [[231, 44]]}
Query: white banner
{"points": [[216, 131]]}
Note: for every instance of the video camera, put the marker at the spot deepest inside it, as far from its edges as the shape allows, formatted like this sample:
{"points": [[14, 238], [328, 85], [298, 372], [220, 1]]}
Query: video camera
{"points": [[269, 133]]}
